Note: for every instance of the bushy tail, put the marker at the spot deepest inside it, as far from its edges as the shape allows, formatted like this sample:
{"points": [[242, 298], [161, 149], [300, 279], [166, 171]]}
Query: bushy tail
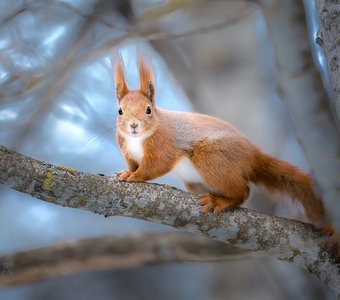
{"points": [[279, 175]]}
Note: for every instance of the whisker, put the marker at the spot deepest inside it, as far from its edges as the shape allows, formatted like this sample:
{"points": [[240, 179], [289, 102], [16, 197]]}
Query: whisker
{"points": [[94, 141]]}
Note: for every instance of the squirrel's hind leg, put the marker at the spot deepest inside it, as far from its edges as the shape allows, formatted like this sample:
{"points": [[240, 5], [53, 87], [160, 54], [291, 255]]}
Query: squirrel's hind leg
{"points": [[217, 204], [209, 201], [225, 201]]}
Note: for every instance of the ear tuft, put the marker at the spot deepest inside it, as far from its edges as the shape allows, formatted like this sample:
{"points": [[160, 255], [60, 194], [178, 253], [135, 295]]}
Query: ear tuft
{"points": [[119, 92], [120, 84], [150, 90], [147, 85]]}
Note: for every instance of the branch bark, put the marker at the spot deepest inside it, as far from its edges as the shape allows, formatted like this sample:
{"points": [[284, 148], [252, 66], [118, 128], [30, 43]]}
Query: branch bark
{"points": [[285, 239], [329, 14], [112, 253]]}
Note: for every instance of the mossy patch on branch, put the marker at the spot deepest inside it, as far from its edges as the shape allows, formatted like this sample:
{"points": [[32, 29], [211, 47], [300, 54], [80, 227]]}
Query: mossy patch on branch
{"points": [[48, 181], [70, 170]]}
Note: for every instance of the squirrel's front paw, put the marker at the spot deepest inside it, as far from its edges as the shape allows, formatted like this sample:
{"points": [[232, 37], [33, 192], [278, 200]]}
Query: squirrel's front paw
{"points": [[129, 176], [123, 175], [135, 177]]}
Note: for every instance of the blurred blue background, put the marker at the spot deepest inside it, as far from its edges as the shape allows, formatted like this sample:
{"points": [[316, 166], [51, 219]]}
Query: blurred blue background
{"points": [[57, 103]]}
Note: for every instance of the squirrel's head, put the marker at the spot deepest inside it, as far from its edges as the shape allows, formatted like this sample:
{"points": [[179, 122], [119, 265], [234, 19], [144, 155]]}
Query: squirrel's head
{"points": [[136, 108]]}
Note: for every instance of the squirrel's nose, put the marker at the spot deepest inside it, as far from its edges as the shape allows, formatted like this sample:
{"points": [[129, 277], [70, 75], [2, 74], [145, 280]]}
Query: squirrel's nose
{"points": [[133, 125]]}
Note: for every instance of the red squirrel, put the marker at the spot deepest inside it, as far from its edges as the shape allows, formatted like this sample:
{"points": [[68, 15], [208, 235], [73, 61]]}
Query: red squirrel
{"points": [[211, 157]]}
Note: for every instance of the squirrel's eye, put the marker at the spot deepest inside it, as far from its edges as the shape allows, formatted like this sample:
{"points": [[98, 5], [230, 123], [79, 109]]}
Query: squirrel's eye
{"points": [[120, 111], [148, 110]]}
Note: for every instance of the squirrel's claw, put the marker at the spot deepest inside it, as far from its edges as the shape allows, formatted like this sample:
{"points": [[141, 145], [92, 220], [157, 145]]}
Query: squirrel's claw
{"points": [[206, 202]]}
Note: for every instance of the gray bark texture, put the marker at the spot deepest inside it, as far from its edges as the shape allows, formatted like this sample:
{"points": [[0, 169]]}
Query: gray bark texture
{"points": [[329, 14], [285, 239]]}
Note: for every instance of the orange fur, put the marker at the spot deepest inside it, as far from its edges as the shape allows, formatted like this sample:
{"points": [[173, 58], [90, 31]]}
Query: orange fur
{"points": [[280, 175], [214, 159]]}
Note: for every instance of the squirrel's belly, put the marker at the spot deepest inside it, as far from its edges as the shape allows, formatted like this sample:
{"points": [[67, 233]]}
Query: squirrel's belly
{"points": [[186, 171]]}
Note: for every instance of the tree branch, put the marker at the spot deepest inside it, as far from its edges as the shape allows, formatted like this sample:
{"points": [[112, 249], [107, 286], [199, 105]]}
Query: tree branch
{"points": [[111, 253], [282, 238], [329, 13]]}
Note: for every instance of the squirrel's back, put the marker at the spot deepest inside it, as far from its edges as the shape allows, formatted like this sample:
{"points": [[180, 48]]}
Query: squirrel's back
{"points": [[189, 128]]}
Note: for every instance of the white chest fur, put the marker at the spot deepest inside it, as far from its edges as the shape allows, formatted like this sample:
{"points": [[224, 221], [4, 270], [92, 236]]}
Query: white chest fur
{"points": [[185, 170], [134, 146]]}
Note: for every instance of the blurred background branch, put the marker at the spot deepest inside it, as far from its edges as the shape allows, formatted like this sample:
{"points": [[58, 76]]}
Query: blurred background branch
{"points": [[113, 253]]}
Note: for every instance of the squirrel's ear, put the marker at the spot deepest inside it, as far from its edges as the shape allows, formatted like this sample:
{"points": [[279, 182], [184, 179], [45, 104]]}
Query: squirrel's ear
{"points": [[120, 84], [147, 85]]}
